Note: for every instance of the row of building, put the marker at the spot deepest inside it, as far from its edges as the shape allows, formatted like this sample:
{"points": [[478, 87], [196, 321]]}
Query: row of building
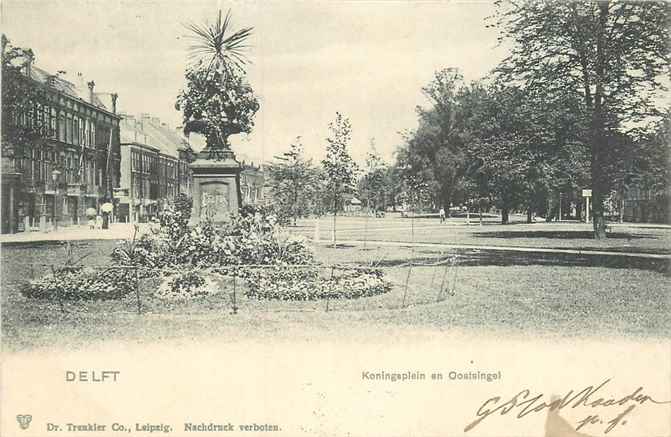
{"points": [[88, 154]]}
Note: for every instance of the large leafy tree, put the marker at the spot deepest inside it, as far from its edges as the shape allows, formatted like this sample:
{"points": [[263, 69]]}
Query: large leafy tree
{"points": [[292, 180], [500, 156], [373, 185], [610, 53], [439, 137], [339, 168], [650, 167], [518, 146], [393, 186], [21, 99], [415, 161]]}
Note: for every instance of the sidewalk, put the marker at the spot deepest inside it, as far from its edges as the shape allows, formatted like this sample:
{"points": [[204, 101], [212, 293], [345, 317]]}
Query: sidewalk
{"points": [[595, 251], [116, 231]]}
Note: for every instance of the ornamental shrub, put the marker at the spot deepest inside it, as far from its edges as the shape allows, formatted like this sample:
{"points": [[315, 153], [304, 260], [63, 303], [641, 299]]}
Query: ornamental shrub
{"points": [[175, 216]]}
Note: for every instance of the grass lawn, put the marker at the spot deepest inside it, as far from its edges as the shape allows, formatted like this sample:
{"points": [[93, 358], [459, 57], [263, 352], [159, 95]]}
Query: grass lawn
{"points": [[625, 238], [502, 292]]}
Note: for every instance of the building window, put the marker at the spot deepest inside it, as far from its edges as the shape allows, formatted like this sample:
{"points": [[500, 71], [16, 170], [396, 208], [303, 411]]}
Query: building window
{"points": [[85, 132], [53, 133], [75, 131], [70, 130], [61, 126]]}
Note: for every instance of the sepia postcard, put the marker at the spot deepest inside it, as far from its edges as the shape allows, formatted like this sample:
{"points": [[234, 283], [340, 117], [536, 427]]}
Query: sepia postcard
{"points": [[335, 218]]}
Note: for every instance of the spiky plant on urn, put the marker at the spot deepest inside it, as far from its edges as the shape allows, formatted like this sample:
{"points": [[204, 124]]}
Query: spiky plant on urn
{"points": [[217, 102]]}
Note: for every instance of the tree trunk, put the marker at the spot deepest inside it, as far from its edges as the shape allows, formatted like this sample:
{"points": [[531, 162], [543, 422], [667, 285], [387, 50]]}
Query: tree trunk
{"points": [[294, 207], [599, 179], [504, 216], [578, 209], [335, 212]]}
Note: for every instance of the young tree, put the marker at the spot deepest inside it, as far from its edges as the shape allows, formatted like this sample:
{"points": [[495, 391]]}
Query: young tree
{"points": [[339, 167], [292, 182], [612, 53]]}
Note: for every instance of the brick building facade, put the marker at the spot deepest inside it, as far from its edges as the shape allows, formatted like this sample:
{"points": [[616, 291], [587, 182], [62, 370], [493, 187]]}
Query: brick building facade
{"points": [[252, 184], [53, 180], [154, 167]]}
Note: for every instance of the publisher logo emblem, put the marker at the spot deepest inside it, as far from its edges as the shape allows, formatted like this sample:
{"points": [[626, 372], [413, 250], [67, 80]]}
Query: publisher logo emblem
{"points": [[24, 420]]}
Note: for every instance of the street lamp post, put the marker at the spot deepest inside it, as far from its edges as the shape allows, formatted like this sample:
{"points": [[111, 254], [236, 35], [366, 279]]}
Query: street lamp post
{"points": [[54, 176]]}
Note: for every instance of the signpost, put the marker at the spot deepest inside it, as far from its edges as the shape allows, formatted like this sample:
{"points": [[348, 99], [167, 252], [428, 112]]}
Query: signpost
{"points": [[586, 194], [120, 192]]}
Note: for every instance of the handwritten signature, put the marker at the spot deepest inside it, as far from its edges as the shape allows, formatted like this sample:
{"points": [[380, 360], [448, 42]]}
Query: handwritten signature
{"points": [[525, 403]]}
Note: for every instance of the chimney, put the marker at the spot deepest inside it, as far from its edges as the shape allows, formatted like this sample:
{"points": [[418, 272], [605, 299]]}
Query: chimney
{"points": [[91, 85], [114, 97], [80, 81], [29, 65]]}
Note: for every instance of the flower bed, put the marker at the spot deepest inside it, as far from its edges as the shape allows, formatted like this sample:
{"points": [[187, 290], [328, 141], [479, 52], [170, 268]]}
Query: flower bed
{"points": [[186, 284], [80, 284], [274, 263], [286, 283]]}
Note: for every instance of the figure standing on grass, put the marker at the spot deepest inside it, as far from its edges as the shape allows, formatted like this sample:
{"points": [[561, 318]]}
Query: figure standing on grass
{"points": [[442, 214], [99, 222]]}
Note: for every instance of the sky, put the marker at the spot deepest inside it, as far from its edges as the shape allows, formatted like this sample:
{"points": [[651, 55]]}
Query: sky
{"points": [[367, 60]]}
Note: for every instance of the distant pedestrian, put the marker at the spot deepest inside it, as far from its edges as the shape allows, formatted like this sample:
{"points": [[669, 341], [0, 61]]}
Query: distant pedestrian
{"points": [[442, 215], [99, 222], [92, 223]]}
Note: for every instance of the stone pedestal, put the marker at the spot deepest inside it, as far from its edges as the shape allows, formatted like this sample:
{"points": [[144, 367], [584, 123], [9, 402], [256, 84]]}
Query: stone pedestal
{"points": [[216, 186]]}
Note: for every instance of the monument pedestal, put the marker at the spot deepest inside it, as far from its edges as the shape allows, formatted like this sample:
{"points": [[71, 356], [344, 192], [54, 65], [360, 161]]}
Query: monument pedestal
{"points": [[216, 186]]}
